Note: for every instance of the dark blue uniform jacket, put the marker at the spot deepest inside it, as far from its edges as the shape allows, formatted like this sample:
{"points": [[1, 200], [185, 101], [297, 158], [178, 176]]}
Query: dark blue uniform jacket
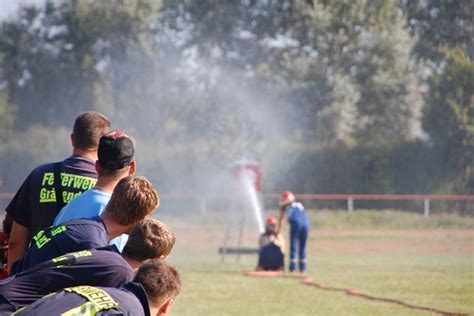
{"points": [[130, 300], [58, 240], [95, 267]]}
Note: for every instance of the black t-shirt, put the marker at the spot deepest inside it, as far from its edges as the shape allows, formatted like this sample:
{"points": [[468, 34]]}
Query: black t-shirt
{"points": [[271, 257], [58, 240], [96, 267], [131, 299], [34, 204]]}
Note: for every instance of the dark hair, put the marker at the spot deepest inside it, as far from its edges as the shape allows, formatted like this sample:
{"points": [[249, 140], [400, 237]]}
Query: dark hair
{"points": [[149, 239], [159, 279], [133, 199], [88, 128], [270, 229], [102, 172]]}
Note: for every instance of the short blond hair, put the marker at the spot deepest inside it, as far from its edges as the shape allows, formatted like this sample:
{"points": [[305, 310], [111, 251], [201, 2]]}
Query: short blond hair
{"points": [[133, 199], [149, 239]]}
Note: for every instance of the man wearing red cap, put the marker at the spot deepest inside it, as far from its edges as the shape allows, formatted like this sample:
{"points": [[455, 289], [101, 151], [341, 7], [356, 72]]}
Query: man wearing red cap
{"points": [[299, 228]]}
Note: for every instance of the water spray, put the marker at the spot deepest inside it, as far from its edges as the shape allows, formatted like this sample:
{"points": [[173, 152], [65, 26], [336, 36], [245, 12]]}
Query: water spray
{"points": [[246, 201], [251, 193], [248, 176]]}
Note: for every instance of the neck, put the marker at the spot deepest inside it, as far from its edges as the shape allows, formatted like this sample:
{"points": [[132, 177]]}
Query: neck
{"points": [[134, 264], [155, 310], [106, 184], [114, 229], [91, 154]]}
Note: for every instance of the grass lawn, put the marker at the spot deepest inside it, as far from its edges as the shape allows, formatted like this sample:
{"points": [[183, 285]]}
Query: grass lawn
{"points": [[426, 262]]}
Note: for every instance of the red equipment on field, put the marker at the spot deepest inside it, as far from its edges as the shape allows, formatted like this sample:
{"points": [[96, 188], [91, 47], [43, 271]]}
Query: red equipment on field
{"points": [[246, 205], [250, 169]]}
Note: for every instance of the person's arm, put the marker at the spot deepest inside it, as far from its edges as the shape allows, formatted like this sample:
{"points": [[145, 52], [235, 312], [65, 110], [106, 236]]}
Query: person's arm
{"points": [[280, 219], [261, 240], [18, 243], [7, 224], [280, 242]]}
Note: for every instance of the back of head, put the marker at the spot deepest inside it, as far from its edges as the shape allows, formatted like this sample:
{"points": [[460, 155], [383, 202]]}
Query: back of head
{"points": [[133, 199], [115, 153], [88, 128], [270, 229], [160, 280], [149, 239], [270, 225], [286, 198]]}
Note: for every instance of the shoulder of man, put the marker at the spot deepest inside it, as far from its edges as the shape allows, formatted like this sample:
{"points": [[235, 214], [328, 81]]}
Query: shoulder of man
{"points": [[137, 290], [84, 225], [298, 205], [104, 266], [82, 164], [40, 170]]}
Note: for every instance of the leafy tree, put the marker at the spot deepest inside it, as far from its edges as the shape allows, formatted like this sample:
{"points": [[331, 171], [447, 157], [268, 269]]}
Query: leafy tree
{"points": [[331, 86], [7, 116], [440, 23], [43, 70], [449, 119], [301, 47], [53, 57]]}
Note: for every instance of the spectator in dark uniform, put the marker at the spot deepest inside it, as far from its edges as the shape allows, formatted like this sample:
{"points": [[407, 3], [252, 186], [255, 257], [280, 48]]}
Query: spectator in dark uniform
{"points": [[34, 204], [149, 239], [133, 199], [271, 254], [152, 292]]}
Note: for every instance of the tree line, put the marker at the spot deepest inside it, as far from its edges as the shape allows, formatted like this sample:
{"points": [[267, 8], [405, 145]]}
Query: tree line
{"points": [[330, 96]]}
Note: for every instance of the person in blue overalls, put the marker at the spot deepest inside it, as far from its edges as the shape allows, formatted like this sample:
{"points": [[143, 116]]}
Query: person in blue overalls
{"points": [[299, 228]]}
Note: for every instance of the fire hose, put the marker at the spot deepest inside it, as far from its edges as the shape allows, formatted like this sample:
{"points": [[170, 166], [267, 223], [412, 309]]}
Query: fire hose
{"points": [[309, 281]]}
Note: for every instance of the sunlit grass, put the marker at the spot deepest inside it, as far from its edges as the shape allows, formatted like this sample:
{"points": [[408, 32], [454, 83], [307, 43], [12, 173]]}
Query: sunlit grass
{"points": [[422, 261], [388, 219]]}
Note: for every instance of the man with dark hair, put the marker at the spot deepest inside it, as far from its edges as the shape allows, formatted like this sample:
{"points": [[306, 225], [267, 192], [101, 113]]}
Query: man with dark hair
{"points": [[152, 292], [35, 204], [149, 239], [133, 199], [162, 284], [115, 153]]}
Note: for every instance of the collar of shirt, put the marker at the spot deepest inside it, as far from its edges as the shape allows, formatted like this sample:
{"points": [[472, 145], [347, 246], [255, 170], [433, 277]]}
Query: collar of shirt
{"points": [[138, 290]]}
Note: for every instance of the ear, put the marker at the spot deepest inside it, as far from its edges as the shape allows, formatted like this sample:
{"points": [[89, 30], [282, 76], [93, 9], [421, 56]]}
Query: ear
{"points": [[97, 166], [166, 307], [133, 168], [72, 139]]}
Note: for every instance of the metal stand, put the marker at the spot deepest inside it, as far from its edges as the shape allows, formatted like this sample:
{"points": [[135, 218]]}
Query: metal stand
{"points": [[231, 229]]}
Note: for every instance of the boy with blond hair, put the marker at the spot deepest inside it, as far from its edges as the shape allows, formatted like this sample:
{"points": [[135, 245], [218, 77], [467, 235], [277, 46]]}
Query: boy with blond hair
{"points": [[133, 199], [149, 239]]}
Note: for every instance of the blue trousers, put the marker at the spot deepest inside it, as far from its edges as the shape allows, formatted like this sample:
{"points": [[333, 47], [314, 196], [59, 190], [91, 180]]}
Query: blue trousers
{"points": [[298, 237]]}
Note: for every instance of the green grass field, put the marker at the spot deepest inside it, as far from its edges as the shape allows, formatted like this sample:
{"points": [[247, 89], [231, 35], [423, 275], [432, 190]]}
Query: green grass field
{"points": [[427, 262]]}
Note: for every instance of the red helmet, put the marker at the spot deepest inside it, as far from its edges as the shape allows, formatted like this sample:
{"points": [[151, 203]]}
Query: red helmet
{"points": [[286, 198], [271, 220]]}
